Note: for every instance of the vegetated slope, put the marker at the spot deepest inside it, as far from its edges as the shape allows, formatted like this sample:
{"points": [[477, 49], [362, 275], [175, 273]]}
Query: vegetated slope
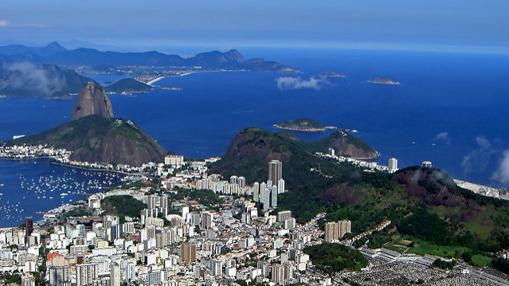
{"points": [[411, 198], [97, 139]]}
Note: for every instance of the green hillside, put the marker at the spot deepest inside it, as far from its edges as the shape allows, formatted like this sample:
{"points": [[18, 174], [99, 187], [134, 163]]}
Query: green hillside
{"points": [[424, 205]]}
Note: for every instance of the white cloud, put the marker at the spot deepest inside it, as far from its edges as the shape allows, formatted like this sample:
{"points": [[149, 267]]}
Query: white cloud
{"points": [[477, 160], [289, 83], [443, 137], [23, 75], [3, 23], [501, 175]]}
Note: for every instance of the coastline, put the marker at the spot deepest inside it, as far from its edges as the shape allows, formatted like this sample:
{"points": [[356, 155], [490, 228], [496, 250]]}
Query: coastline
{"points": [[80, 166], [152, 82], [68, 165]]}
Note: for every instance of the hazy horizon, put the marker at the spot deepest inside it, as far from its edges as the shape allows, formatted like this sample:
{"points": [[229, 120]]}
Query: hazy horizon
{"points": [[160, 25]]}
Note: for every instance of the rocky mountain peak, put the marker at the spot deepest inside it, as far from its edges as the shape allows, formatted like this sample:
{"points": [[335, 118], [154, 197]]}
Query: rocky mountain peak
{"points": [[92, 100]]}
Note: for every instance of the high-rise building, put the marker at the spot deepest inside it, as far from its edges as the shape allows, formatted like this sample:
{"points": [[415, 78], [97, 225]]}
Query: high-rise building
{"points": [[273, 197], [115, 274], [290, 223], [263, 185], [163, 203], [59, 275], [152, 201], [275, 171], [185, 212], [187, 253], [342, 228], [277, 273], [207, 220], [29, 226], [393, 165], [216, 267], [330, 231], [281, 186], [336, 230], [284, 215], [265, 198], [241, 181], [86, 274], [256, 191], [287, 271]]}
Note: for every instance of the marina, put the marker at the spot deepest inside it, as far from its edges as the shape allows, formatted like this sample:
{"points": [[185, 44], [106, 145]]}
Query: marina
{"points": [[32, 187]]}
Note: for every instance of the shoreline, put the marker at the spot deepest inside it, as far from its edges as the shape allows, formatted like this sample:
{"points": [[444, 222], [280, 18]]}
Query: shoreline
{"points": [[55, 162], [69, 165], [152, 82]]}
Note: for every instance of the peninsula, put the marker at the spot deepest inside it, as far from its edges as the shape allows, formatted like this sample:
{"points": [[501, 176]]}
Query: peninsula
{"points": [[128, 86]]}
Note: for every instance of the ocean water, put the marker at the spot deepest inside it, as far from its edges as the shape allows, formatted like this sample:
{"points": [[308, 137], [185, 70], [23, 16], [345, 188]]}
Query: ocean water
{"points": [[450, 108], [30, 187]]}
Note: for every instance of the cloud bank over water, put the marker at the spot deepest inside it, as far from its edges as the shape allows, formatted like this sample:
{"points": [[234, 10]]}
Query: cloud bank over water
{"points": [[477, 160], [489, 155], [443, 137], [292, 83], [28, 76], [501, 175]]}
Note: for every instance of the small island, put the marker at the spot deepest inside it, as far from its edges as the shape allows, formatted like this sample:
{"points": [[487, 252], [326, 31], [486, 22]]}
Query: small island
{"points": [[303, 125], [172, 88], [332, 75], [384, 81]]}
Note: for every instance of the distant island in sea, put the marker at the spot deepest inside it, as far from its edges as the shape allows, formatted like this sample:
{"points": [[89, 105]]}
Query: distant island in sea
{"points": [[332, 75], [384, 81], [303, 125]]}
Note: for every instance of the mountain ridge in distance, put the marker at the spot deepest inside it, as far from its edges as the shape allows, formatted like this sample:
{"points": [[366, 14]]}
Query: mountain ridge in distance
{"points": [[54, 53]]}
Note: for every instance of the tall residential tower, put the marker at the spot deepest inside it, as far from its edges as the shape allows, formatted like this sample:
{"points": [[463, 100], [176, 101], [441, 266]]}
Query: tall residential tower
{"points": [[275, 171]]}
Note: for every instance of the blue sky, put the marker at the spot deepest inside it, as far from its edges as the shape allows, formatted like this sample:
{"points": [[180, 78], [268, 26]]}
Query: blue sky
{"points": [[140, 25]]}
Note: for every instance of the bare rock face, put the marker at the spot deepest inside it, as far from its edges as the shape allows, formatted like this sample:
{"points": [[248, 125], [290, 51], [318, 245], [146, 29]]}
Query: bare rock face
{"points": [[92, 100]]}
